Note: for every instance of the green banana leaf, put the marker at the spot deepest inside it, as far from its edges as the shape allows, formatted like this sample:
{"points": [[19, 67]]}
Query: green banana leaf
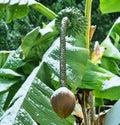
{"points": [[109, 6], [76, 64], [3, 57], [2, 101], [105, 84], [9, 73], [11, 93], [16, 9], [6, 83], [111, 43], [1, 11], [110, 89], [115, 33], [116, 27], [8, 78], [15, 60], [46, 76], [36, 42], [110, 65], [111, 50], [94, 77], [31, 105]]}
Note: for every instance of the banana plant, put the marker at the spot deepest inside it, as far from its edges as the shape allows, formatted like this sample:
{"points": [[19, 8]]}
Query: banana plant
{"points": [[31, 74]]}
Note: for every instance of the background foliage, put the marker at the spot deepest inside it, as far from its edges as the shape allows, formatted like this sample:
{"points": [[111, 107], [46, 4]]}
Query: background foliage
{"points": [[11, 34]]}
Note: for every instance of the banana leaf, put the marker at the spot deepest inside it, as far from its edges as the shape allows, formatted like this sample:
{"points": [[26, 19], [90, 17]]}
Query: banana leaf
{"points": [[109, 89], [111, 47], [76, 64], [31, 105], [115, 27], [9, 73], [111, 50], [113, 113], [94, 77], [2, 101], [109, 6], [105, 84], [3, 57], [17, 9], [11, 93], [112, 54], [8, 78], [110, 65], [6, 83], [1, 11], [15, 60], [36, 42]]}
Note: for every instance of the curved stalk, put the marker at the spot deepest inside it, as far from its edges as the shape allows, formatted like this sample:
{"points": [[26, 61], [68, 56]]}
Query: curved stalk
{"points": [[63, 29]]}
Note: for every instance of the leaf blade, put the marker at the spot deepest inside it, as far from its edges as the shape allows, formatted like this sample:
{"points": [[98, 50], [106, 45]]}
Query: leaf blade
{"points": [[109, 6]]}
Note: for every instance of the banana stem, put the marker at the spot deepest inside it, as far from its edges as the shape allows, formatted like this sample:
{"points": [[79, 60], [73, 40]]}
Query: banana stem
{"points": [[88, 7], [63, 29], [89, 97]]}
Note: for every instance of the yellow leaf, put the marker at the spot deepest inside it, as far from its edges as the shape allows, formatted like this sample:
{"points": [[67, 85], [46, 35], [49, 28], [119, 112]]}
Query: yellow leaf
{"points": [[97, 53]]}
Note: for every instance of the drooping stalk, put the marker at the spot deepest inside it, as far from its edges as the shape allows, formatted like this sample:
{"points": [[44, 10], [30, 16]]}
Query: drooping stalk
{"points": [[63, 51], [70, 22]]}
